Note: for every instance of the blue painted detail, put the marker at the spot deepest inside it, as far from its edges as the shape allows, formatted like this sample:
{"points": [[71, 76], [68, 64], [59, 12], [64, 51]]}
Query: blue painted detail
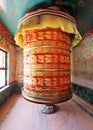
{"points": [[12, 10]]}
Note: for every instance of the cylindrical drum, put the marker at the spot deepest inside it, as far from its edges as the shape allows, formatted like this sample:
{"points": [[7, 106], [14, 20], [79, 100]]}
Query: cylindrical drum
{"points": [[47, 65]]}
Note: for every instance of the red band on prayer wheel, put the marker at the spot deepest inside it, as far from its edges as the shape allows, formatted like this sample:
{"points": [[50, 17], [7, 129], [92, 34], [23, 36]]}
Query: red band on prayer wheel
{"points": [[47, 65]]}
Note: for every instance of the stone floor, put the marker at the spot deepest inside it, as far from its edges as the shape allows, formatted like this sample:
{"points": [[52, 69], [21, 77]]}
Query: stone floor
{"points": [[19, 114]]}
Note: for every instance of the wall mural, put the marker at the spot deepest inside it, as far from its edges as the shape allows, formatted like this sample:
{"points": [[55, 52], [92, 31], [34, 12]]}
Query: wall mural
{"points": [[84, 15], [5, 33], [19, 64], [6, 45], [82, 61], [12, 11], [15, 55]]}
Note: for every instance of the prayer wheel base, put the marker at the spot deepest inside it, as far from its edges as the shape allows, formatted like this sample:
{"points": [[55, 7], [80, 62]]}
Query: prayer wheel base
{"points": [[47, 109], [64, 96]]}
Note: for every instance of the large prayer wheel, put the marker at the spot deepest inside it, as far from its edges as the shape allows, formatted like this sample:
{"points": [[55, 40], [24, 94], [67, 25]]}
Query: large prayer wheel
{"points": [[47, 66], [47, 36]]}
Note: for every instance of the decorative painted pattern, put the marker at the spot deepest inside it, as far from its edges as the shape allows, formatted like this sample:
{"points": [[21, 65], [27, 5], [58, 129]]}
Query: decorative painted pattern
{"points": [[11, 12], [47, 11], [46, 62], [15, 56], [4, 32], [45, 18], [82, 65], [6, 45]]}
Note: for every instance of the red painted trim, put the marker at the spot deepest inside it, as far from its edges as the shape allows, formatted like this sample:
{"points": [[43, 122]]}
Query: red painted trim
{"points": [[47, 11], [87, 34], [4, 32]]}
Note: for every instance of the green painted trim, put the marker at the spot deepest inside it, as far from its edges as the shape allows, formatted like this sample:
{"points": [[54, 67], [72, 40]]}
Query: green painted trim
{"points": [[83, 92]]}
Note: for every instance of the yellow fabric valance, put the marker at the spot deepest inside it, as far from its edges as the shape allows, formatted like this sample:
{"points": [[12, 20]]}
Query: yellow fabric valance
{"points": [[47, 21]]}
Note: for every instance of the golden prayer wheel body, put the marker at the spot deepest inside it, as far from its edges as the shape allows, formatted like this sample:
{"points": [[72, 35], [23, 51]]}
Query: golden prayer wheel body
{"points": [[46, 45], [47, 66]]}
